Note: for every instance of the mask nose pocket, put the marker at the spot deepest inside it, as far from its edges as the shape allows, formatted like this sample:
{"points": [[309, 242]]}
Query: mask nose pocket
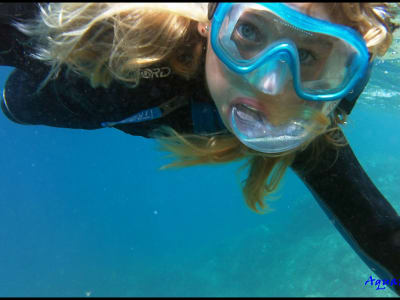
{"points": [[271, 77]]}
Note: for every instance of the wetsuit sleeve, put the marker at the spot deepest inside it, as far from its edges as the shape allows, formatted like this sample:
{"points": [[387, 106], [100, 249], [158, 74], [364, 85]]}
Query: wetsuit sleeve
{"points": [[23, 104], [70, 102], [356, 207]]}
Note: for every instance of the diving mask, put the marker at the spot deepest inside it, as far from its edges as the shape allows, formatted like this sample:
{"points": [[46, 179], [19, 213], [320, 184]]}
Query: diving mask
{"points": [[271, 46]]}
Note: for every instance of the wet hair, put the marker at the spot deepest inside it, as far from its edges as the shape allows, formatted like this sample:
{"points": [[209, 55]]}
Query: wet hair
{"points": [[106, 41], [375, 22]]}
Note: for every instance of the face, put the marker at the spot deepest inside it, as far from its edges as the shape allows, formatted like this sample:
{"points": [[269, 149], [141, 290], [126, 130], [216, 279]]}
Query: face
{"points": [[227, 87]]}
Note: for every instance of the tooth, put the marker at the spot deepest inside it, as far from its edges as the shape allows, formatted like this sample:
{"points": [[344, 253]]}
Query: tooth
{"points": [[245, 116]]}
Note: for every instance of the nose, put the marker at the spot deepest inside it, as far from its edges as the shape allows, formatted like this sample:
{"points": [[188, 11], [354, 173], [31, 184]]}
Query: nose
{"points": [[271, 77]]}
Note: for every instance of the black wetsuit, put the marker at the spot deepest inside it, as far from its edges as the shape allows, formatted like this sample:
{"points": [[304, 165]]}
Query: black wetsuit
{"points": [[71, 102], [342, 188], [356, 208]]}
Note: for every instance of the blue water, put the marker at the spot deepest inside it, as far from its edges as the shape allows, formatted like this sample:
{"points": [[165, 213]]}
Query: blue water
{"points": [[88, 213]]}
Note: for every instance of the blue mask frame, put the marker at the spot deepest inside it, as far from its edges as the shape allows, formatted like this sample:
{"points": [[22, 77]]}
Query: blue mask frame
{"points": [[361, 61]]}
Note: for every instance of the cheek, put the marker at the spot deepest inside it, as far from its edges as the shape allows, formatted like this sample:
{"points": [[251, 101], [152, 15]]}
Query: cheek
{"points": [[217, 83]]}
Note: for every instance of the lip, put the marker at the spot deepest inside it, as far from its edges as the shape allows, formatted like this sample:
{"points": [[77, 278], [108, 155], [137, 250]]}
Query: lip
{"points": [[250, 102]]}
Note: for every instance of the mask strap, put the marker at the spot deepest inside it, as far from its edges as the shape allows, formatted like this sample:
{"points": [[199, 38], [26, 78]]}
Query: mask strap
{"points": [[212, 6], [350, 100]]}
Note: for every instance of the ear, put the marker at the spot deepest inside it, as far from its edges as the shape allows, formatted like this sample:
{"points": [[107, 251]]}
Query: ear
{"points": [[203, 29]]}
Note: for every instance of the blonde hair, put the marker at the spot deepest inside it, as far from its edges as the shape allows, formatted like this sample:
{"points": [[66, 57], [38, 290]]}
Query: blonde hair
{"points": [[106, 41]]}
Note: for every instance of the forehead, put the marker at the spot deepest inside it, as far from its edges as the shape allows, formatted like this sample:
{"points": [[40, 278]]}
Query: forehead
{"points": [[316, 10]]}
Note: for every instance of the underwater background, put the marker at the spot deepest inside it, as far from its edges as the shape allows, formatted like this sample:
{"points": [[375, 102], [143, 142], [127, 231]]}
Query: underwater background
{"points": [[89, 213]]}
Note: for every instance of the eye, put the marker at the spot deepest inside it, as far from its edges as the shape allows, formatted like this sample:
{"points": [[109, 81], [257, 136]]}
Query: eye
{"points": [[248, 31], [305, 56]]}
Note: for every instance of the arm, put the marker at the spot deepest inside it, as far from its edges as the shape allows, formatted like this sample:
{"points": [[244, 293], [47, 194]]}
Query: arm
{"points": [[356, 207], [22, 104], [15, 47], [70, 102]]}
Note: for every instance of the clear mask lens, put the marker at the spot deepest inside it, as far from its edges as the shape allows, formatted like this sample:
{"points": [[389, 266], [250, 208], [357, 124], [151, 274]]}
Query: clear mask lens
{"points": [[322, 63]]}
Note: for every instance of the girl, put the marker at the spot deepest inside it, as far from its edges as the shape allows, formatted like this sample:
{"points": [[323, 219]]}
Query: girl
{"points": [[266, 82]]}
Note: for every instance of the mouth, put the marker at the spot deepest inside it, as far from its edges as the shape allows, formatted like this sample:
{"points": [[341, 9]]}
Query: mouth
{"points": [[249, 117], [250, 121], [247, 114]]}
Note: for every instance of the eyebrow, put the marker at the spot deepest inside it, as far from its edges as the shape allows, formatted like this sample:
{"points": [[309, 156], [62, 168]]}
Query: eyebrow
{"points": [[309, 36], [259, 16], [322, 42]]}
